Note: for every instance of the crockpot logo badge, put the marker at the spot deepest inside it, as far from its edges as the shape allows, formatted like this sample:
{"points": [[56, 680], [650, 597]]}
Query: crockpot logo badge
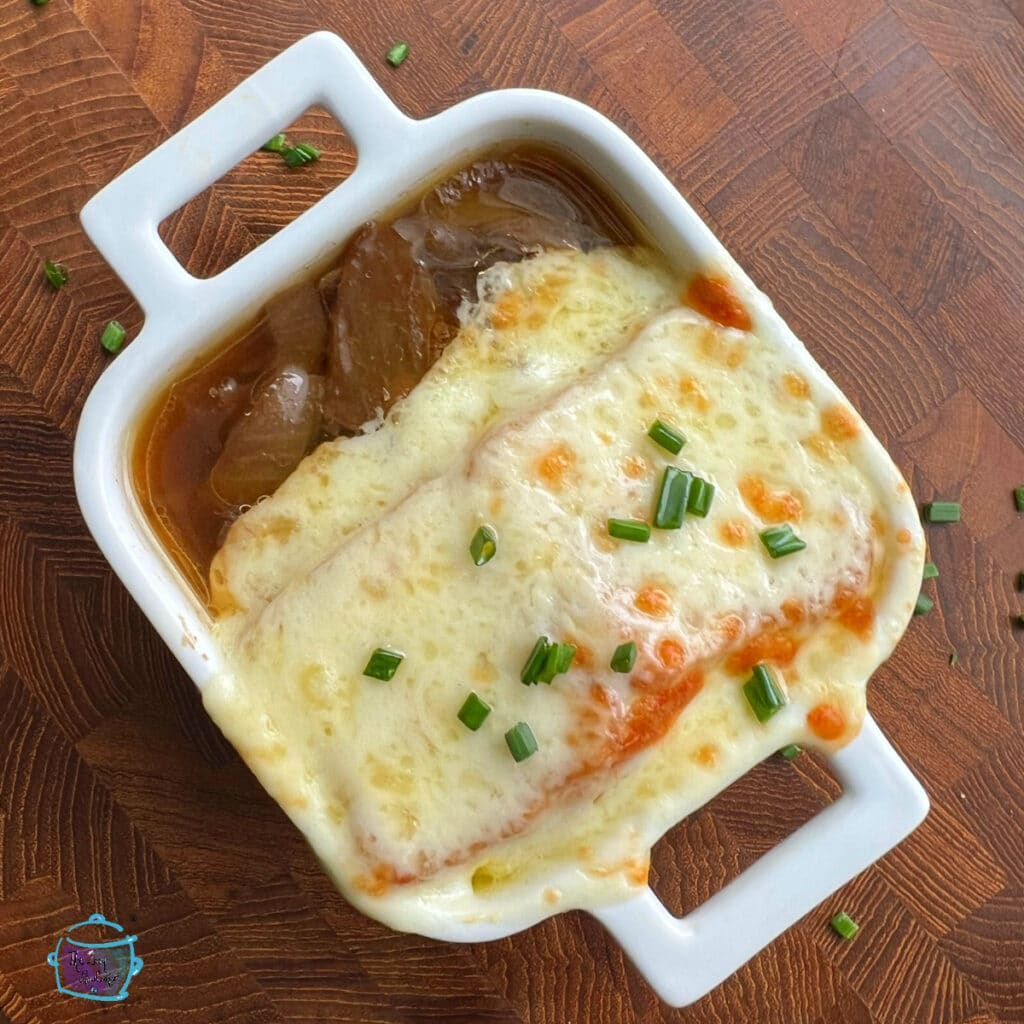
{"points": [[99, 969]]}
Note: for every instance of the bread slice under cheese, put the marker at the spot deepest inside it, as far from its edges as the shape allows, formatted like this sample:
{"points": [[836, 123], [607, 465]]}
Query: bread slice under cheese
{"points": [[540, 324], [417, 817]]}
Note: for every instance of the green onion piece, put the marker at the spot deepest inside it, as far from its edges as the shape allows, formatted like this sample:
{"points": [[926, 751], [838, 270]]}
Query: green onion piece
{"points": [[278, 144], [566, 653], [931, 570], [550, 667], [521, 741], [1020, 582], [484, 545], [763, 694], [781, 541], [1019, 620], [113, 337], [40, 3], [535, 662], [629, 529], [383, 664], [397, 54], [699, 500], [1018, 498], [557, 656], [624, 657], [671, 504], [923, 605], [791, 751], [302, 153], [473, 712], [953, 659], [844, 925], [942, 512], [667, 436], [56, 273]]}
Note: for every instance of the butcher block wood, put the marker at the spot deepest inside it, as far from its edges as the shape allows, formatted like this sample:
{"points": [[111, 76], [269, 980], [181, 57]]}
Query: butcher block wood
{"points": [[864, 160]]}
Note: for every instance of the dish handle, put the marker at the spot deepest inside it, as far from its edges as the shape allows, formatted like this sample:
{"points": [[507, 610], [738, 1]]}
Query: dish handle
{"points": [[684, 958], [122, 219]]}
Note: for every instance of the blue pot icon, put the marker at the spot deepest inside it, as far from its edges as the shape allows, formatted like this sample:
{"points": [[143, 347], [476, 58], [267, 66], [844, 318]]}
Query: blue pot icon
{"points": [[97, 969]]}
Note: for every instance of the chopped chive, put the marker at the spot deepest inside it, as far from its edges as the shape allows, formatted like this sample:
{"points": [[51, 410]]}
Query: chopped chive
{"points": [[278, 144], [566, 653], [484, 545], [763, 694], [397, 54], [671, 504], [844, 925], [40, 3], [953, 659], [535, 662], [113, 337], [791, 751], [624, 657], [473, 711], [557, 660], [56, 274], [629, 529], [521, 741], [923, 605], [666, 436], [781, 541], [699, 499], [1018, 498], [383, 664], [931, 570], [942, 512], [549, 669], [1018, 620], [299, 154]]}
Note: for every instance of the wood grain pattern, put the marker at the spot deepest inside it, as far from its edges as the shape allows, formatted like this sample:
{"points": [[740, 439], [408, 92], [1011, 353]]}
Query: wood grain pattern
{"points": [[864, 160]]}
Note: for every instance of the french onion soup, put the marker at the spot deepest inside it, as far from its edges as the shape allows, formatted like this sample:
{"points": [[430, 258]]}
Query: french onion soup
{"points": [[520, 543]]}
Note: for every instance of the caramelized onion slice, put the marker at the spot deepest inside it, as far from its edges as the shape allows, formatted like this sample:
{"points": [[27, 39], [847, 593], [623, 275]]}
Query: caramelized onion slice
{"points": [[389, 326], [502, 210], [298, 326], [521, 205], [271, 438]]}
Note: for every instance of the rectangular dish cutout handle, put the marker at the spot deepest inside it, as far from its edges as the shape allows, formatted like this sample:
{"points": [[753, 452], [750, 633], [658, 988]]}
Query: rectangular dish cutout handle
{"points": [[122, 219], [684, 958]]}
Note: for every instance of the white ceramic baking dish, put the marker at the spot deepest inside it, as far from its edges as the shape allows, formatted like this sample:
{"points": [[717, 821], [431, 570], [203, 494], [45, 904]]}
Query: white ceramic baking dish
{"points": [[881, 802]]}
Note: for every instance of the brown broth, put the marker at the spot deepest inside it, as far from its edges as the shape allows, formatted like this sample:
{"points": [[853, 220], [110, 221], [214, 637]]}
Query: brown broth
{"points": [[178, 443], [184, 430]]}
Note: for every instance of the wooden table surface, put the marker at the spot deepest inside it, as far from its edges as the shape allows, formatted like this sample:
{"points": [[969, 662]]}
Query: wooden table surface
{"points": [[864, 160]]}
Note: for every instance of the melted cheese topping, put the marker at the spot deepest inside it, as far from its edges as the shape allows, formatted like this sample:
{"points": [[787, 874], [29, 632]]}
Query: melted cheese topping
{"points": [[543, 435]]}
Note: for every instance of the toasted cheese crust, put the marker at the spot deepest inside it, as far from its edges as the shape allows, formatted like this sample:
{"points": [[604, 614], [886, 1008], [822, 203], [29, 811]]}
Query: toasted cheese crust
{"points": [[418, 818]]}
